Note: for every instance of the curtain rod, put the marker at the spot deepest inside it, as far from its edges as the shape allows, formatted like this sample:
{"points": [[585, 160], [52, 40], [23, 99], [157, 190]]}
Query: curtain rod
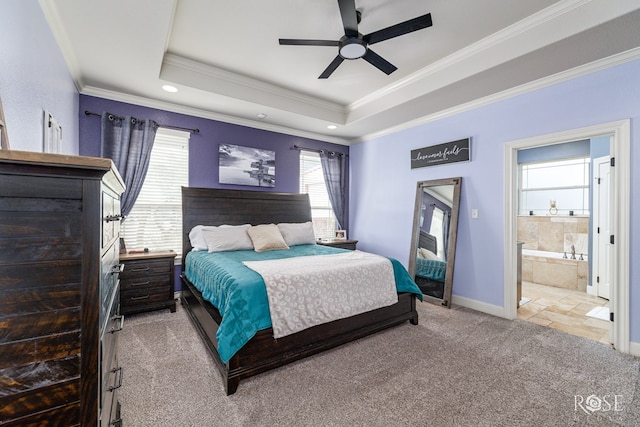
{"points": [[89, 113], [298, 147]]}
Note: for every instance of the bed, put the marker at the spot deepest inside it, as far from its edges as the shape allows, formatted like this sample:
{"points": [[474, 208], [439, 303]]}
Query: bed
{"points": [[430, 270], [202, 206]]}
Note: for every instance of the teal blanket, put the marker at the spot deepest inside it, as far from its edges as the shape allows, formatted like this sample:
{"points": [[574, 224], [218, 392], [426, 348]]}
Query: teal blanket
{"points": [[240, 295]]}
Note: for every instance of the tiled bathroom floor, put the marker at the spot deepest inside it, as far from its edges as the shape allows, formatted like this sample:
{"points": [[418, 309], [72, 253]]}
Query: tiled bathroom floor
{"points": [[564, 309]]}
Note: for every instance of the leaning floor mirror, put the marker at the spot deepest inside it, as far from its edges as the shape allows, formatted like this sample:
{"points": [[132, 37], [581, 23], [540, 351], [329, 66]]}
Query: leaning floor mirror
{"points": [[433, 242]]}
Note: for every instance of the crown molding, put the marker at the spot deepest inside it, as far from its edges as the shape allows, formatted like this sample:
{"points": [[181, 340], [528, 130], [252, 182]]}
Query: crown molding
{"points": [[415, 83], [205, 114], [57, 29], [234, 84], [612, 61]]}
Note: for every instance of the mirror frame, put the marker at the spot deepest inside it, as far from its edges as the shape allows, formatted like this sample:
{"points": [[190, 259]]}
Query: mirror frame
{"points": [[453, 234]]}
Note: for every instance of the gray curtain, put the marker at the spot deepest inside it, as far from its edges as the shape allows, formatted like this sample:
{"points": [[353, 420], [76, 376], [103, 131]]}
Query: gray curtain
{"points": [[446, 220], [334, 171], [128, 142]]}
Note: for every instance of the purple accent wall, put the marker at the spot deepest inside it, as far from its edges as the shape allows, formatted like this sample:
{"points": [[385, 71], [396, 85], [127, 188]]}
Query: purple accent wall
{"points": [[383, 185], [203, 146]]}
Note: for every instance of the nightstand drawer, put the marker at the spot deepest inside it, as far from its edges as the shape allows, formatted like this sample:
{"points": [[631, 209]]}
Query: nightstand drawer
{"points": [[146, 282], [143, 296], [161, 281], [142, 268]]}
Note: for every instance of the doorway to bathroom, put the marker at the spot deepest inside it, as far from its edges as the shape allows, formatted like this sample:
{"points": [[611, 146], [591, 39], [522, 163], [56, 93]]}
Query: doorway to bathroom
{"points": [[563, 232]]}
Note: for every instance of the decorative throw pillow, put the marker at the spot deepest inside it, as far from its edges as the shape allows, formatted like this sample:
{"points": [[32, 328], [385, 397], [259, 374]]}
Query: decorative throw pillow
{"points": [[227, 238], [298, 233], [266, 237]]}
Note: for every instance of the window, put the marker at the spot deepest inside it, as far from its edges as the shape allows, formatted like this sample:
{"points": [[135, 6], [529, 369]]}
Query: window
{"points": [[312, 183], [155, 222], [565, 181]]}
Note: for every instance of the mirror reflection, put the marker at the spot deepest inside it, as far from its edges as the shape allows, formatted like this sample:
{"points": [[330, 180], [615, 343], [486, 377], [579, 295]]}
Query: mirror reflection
{"points": [[433, 242]]}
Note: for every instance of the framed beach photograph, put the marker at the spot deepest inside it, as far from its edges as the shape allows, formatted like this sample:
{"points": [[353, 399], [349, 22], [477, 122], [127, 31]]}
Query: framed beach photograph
{"points": [[246, 166], [341, 234]]}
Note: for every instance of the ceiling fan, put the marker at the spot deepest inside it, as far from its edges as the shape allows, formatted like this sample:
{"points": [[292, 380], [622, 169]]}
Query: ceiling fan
{"points": [[354, 45]]}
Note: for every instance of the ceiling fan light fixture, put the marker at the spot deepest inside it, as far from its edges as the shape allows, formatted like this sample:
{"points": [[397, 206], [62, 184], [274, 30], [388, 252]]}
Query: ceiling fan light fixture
{"points": [[352, 48]]}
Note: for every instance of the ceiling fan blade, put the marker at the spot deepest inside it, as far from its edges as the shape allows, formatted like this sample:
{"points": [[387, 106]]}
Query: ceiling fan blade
{"points": [[379, 62], [332, 67], [400, 29], [349, 17], [301, 42]]}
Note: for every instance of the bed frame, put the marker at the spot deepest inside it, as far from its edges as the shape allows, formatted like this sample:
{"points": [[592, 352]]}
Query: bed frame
{"points": [[262, 353]]}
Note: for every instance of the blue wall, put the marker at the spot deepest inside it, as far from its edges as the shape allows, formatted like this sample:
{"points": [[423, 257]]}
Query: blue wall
{"points": [[383, 185], [34, 77]]}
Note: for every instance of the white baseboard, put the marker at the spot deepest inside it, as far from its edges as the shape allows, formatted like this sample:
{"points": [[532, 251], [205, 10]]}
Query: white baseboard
{"points": [[494, 310], [634, 348]]}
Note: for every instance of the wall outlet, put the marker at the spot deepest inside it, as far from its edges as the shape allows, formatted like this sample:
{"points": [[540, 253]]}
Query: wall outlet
{"points": [[474, 213]]}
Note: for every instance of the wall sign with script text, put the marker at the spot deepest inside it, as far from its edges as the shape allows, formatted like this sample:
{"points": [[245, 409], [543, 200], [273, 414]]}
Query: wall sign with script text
{"points": [[449, 152]]}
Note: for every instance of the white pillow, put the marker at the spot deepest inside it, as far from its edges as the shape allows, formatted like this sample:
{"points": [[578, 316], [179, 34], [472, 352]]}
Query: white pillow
{"points": [[266, 237], [196, 235], [427, 254], [227, 238], [298, 233]]}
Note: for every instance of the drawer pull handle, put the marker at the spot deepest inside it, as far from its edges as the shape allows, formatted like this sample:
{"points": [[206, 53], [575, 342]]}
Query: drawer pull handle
{"points": [[139, 298], [110, 218], [118, 328], [117, 269], [139, 283], [140, 269], [114, 387]]}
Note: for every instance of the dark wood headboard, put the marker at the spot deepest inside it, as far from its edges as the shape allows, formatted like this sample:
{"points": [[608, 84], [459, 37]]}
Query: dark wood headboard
{"points": [[214, 206], [428, 241]]}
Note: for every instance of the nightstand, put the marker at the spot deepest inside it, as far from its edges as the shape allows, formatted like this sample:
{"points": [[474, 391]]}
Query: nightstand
{"points": [[340, 243], [146, 282]]}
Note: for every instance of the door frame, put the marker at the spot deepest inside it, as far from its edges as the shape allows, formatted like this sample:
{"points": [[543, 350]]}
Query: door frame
{"points": [[620, 149], [593, 287]]}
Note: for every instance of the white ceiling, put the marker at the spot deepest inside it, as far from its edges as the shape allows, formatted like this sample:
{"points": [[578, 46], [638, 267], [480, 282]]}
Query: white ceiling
{"points": [[225, 60]]}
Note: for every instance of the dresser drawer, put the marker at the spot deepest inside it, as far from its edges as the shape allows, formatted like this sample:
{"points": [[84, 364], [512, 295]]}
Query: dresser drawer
{"points": [[111, 372]]}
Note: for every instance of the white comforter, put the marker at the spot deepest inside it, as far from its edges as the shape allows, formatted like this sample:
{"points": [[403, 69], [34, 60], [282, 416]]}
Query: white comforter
{"points": [[310, 290]]}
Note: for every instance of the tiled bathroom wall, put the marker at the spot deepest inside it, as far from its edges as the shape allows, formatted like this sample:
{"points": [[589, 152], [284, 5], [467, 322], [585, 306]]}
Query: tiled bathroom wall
{"points": [[555, 234]]}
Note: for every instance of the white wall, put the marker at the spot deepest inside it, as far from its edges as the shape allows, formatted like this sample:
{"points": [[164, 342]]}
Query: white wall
{"points": [[34, 77]]}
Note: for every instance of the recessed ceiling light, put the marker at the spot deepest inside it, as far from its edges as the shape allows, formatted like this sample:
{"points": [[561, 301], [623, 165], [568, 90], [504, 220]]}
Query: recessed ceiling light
{"points": [[262, 116], [170, 88], [332, 127]]}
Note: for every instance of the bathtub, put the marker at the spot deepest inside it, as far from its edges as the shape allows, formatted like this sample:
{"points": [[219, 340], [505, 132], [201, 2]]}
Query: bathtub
{"points": [[554, 255], [552, 269]]}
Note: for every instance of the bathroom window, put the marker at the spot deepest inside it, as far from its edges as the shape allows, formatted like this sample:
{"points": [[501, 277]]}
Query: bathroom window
{"points": [[563, 183]]}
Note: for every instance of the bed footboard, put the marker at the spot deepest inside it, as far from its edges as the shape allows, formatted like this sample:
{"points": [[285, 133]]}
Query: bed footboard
{"points": [[262, 353]]}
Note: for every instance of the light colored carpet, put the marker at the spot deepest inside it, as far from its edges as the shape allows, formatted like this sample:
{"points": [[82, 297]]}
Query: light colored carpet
{"points": [[457, 367]]}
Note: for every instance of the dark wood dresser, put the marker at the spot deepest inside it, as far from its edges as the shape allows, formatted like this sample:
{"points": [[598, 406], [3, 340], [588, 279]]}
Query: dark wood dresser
{"points": [[146, 283], [59, 290]]}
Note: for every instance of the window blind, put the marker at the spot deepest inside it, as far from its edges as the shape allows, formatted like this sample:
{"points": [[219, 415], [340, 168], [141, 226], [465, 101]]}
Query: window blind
{"points": [[312, 183], [155, 222]]}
